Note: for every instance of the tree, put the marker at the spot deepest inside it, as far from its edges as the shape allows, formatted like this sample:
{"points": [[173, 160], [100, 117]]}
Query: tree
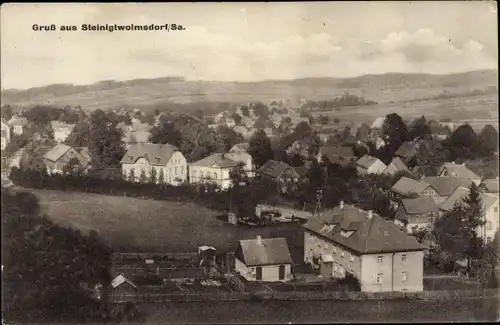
{"points": [[456, 232], [161, 177], [261, 110], [6, 112], [69, 116], [166, 132], [153, 177], [322, 119], [489, 262], [237, 118], [80, 136], [302, 129], [42, 262], [42, 115], [260, 148], [245, 111], [106, 146], [489, 140], [394, 132], [228, 136], [131, 177], [463, 143], [419, 129], [72, 167], [142, 178], [363, 133]]}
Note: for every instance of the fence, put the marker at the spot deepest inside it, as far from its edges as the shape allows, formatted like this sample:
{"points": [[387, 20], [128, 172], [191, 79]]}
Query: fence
{"points": [[305, 295], [164, 272]]}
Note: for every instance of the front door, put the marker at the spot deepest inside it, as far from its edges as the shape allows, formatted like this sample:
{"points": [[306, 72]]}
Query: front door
{"points": [[259, 273], [282, 272]]}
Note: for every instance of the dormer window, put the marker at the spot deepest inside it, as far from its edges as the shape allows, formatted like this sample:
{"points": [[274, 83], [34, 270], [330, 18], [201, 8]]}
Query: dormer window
{"points": [[345, 233]]}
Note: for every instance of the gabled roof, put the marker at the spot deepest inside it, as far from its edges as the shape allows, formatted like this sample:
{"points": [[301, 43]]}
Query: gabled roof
{"points": [[270, 251], [407, 150], [459, 170], [366, 161], [18, 120], [274, 168], [461, 193], [370, 235], [119, 280], [156, 154], [399, 164], [57, 152], [491, 185], [218, 160], [419, 205], [4, 121], [61, 125], [444, 186], [406, 186]]}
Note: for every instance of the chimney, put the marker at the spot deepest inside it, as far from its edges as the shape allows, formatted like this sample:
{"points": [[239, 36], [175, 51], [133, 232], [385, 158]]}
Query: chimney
{"points": [[370, 214], [341, 205], [222, 155], [259, 240]]}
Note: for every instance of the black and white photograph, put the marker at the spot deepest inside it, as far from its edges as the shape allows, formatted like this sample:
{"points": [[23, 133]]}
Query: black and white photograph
{"points": [[249, 162]]}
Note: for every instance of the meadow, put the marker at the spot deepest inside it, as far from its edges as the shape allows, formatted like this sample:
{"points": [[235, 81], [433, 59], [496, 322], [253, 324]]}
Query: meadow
{"points": [[140, 225]]}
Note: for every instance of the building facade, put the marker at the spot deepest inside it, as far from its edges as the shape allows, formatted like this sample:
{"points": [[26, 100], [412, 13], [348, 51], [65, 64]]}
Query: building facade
{"points": [[166, 162], [5, 134]]}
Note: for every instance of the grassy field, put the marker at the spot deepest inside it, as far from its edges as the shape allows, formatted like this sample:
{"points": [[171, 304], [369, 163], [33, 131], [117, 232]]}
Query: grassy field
{"points": [[483, 108], [133, 225]]}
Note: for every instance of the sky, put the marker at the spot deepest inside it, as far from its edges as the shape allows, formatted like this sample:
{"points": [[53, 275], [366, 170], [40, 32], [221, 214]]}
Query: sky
{"points": [[245, 41]]}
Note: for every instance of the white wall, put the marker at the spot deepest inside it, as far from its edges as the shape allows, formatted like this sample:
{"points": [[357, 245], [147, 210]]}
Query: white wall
{"points": [[391, 269], [219, 176], [60, 135], [492, 219], [270, 273], [377, 168]]}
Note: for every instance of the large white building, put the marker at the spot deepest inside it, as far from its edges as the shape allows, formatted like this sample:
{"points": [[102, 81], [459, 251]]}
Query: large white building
{"points": [[166, 160], [5, 134], [350, 240], [216, 168]]}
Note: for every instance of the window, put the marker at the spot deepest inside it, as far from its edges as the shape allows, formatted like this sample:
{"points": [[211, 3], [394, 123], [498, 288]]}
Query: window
{"points": [[182, 169], [404, 276], [326, 246], [201, 174], [342, 254], [334, 249], [379, 277], [495, 209], [403, 257], [215, 175], [281, 272], [488, 225], [175, 170], [352, 258], [379, 259], [194, 173]]}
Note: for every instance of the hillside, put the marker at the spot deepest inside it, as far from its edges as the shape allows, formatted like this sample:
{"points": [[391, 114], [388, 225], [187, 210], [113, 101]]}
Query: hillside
{"points": [[393, 87]]}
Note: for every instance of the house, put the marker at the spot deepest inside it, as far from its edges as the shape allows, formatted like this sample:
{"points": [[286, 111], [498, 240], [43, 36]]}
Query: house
{"points": [[407, 150], [459, 171], [18, 123], [60, 155], [264, 259], [489, 185], [396, 165], [240, 129], [350, 240], [5, 134], [337, 154], [216, 168], [131, 136], [165, 160], [247, 122], [121, 287], [418, 213], [379, 142], [280, 173], [489, 211], [370, 165], [448, 125], [61, 130], [406, 188], [445, 186]]}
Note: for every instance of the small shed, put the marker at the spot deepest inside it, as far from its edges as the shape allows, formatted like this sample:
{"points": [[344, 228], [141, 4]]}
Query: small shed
{"points": [[123, 289]]}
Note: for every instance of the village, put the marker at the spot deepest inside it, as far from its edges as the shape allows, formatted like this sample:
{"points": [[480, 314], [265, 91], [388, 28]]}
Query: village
{"points": [[349, 249]]}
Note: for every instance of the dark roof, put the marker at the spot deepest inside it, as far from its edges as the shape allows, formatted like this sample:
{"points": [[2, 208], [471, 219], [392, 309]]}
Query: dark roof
{"points": [[419, 205], [458, 170], [444, 186], [426, 170], [461, 193], [156, 154], [406, 186], [274, 168], [370, 236], [270, 251], [399, 164], [57, 152], [216, 160], [301, 171], [366, 161], [333, 152], [407, 150], [490, 185]]}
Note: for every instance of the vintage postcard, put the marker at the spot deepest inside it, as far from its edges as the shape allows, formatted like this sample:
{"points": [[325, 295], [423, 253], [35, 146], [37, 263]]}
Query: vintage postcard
{"points": [[241, 163]]}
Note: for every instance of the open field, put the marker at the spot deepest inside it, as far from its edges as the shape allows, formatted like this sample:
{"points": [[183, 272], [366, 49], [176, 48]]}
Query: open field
{"points": [[134, 225], [284, 312], [384, 88], [483, 108]]}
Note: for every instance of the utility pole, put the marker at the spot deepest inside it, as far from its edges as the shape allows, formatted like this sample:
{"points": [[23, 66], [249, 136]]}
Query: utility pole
{"points": [[319, 196]]}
